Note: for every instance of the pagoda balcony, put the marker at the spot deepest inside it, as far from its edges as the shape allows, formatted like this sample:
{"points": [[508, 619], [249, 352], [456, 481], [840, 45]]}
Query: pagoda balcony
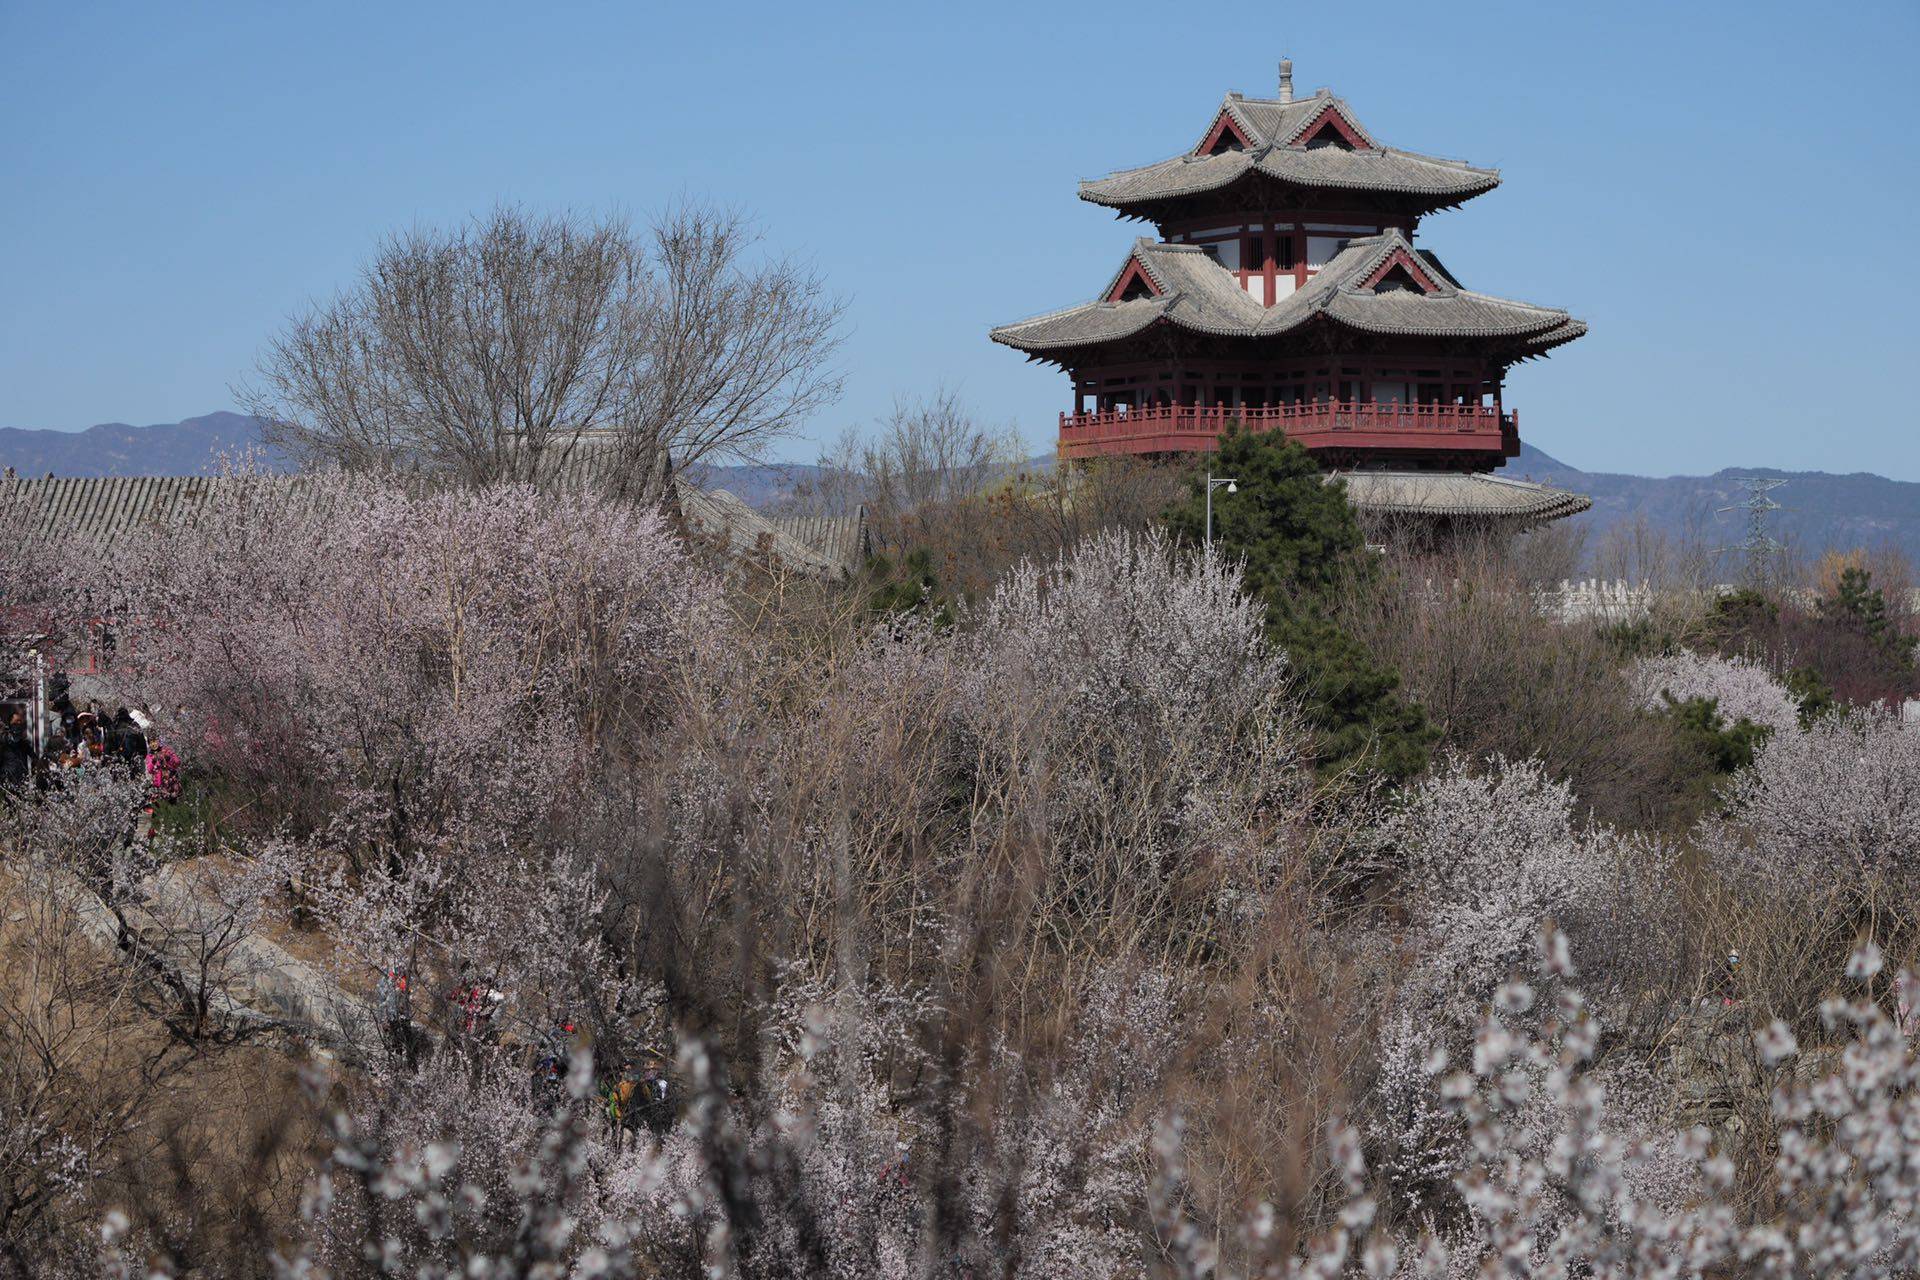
{"points": [[1329, 425]]}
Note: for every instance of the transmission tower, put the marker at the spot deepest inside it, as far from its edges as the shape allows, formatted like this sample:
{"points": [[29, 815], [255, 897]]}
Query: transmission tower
{"points": [[1759, 546]]}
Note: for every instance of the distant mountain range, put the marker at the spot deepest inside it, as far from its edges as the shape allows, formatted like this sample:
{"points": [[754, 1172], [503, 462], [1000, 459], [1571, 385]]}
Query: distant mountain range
{"points": [[1817, 510], [188, 448]]}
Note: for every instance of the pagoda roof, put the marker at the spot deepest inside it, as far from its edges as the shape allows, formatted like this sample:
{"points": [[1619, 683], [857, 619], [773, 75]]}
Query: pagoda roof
{"points": [[1276, 135], [1192, 291], [1471, 494]]}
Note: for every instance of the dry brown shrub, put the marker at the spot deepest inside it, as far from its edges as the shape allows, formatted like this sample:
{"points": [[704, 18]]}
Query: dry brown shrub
{"points": [[1495, 675]]}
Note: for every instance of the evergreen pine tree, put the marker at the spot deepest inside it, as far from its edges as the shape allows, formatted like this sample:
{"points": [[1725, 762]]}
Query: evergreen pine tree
{"points": [[1302, 546], [1860, 605], [913, 585]]}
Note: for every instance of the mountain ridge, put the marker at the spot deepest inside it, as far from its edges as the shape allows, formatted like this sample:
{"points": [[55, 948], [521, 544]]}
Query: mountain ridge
{"points": [[190, 447], [1819, 510]]}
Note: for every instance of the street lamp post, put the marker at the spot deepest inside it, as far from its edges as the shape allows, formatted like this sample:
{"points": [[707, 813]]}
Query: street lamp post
{"points": [[1213, 482]]}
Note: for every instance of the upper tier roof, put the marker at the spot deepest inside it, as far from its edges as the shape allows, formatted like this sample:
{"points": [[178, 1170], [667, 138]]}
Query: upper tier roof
{"points": [[1198, 294], [1276, 134]]}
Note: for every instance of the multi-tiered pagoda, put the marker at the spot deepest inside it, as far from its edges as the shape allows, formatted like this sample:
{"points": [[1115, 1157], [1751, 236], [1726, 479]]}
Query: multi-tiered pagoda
{"points": [[1285, 292]]}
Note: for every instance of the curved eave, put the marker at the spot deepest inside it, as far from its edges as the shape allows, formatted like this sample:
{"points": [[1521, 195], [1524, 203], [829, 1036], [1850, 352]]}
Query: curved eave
{"points": [[1459, 314], [1456, 495], [1189, 176], [1560, 335], [1103, 324], [1199, 296], [1088, 325]]}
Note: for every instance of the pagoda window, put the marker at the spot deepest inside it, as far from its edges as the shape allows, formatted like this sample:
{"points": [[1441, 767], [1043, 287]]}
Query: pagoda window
{"points": [[1226, 136], [1135, 283], [1331, 131], [1283, 252], [1256, 259], [1323, 249], [1398, 279]]}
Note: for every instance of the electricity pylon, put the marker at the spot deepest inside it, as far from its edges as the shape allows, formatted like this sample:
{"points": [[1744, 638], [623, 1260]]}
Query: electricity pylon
{"points": [[1759, 546]]}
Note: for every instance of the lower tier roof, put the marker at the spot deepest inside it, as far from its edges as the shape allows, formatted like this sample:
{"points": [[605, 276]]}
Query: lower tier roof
{"points": [[1378, 284], [1457, 494]]}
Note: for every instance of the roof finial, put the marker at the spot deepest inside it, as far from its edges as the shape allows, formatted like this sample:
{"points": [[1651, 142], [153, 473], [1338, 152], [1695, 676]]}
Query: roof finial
{"points": [[1286, 79]]}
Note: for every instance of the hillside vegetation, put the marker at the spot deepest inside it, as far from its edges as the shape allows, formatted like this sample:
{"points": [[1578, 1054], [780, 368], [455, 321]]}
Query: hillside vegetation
{"points": [[544, 895]]}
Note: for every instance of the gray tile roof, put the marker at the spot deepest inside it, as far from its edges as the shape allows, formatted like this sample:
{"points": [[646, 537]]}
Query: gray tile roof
{"points": [[845, 540], [1274, 128], [1200, 295], [745, 534], [1448, 493], [105, 509]]}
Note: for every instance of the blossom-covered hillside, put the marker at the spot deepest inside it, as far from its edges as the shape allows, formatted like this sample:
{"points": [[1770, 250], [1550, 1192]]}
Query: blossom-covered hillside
{"points": [[504, 882]]}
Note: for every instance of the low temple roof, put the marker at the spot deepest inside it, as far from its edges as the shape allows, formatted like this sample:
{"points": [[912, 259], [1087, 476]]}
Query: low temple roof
{"points": [[1461, 494], [107, 509], [1198, 294], [1274, 132]]}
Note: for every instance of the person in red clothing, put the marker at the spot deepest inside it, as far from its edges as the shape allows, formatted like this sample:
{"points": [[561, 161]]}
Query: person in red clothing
{"points": [[395, 1000], [476, 1002]]}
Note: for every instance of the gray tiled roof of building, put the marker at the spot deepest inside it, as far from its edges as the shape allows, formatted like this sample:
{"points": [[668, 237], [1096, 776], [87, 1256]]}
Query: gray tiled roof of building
{"points": [[1199, 294], [1273, 129], [1448, 493], [745, 534], [105, 509], [845, 540]]}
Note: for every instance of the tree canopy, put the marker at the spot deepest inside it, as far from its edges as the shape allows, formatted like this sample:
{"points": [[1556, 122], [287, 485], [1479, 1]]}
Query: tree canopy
{"points": [[1301, 545]]}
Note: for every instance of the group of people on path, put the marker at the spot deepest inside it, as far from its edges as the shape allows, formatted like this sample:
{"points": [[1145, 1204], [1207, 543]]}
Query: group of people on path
{"points": [[72, 738], [629, 1095]]}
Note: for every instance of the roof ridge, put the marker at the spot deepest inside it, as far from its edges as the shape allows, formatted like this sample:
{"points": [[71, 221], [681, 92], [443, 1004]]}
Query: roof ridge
{"points": [[1445, 161], [1515, 302], [1071, 309], [1334, 104], [1138, 253]]}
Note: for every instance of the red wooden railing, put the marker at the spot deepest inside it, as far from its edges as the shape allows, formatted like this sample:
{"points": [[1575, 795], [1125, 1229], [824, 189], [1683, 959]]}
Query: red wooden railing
{"points": [[1330, 425]]}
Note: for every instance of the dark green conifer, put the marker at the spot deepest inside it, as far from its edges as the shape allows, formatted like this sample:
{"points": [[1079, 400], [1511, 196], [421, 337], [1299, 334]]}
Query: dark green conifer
{"points": [[1302, 547]]}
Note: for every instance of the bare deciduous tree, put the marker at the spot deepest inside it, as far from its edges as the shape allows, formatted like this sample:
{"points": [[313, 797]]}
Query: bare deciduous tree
{"points": [[927, 452], [1637, 551], [524, 348], [933, 478]]}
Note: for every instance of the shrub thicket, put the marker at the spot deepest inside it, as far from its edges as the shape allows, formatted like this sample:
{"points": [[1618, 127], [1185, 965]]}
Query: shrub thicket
{"points": [[594, 911]]}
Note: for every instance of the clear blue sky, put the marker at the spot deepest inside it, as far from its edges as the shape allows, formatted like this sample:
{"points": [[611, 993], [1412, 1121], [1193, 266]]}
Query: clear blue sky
{"points": [[1725, 191]]}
